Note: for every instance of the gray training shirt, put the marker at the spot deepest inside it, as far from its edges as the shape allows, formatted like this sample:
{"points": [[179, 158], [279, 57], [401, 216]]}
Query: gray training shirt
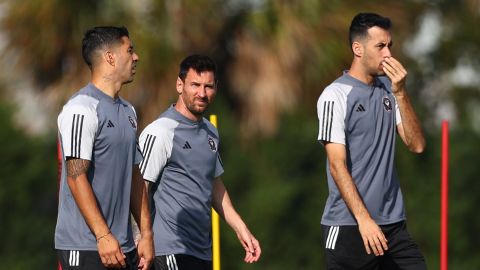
{"points": [[364, 119], [93, 126], [182, 159]]}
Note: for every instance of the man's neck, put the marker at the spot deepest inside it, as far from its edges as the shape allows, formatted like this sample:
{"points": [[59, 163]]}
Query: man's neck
{"points": [[357, 72], [105, 84]]}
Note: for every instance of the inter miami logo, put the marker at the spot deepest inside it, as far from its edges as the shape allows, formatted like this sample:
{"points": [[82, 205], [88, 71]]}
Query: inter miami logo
{"points": [[132, 121], [387, 104], [213, 145]]}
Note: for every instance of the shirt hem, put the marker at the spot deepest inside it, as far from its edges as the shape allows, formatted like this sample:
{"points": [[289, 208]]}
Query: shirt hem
{"points": [[129, 249], [354, 223]]}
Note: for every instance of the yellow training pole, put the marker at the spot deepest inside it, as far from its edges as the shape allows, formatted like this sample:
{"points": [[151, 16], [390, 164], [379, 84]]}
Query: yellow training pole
{"points": [[215, 223]]}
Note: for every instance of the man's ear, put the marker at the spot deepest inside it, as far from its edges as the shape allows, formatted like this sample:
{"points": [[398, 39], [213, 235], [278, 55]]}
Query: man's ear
{"points": [[357, 49], [109, 57], [179, 85]]}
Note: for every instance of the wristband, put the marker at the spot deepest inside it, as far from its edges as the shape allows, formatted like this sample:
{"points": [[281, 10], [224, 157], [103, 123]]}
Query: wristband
{"points": [[98, 239]]}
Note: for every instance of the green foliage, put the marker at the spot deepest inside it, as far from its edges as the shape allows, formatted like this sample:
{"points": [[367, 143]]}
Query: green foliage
{"points": [[277, 182], [464, 199], [27, 198]]}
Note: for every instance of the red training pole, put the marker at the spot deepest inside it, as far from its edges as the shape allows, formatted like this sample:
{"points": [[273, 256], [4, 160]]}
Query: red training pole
{"points": [[444, 200]]}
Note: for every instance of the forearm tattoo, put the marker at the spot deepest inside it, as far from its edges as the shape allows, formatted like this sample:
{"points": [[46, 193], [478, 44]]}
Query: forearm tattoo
{"points": [[76, 167]]}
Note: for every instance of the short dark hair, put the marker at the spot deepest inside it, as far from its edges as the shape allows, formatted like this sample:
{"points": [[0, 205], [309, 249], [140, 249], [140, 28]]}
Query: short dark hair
{"points": [[100, 37], [364, 21], [199, 63]]}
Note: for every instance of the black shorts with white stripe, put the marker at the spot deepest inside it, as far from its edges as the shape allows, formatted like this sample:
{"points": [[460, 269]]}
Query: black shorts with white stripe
{"points": [[90, 260], [344, 249], [180, 262]]}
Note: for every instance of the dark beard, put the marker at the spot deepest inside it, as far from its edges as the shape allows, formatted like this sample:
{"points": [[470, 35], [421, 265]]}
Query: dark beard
{"points": [[197, 112]]}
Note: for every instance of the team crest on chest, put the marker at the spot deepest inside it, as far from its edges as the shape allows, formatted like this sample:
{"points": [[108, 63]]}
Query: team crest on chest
{"points": [[212, 144], [387, 104]]}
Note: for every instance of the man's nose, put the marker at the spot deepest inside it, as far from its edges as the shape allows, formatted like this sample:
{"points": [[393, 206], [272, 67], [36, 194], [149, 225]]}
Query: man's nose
{"points": [[201, 91], [387, 52]]}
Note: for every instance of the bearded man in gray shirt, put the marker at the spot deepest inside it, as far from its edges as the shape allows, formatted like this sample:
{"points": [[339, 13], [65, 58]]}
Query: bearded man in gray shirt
{"points": [[182, 169]]}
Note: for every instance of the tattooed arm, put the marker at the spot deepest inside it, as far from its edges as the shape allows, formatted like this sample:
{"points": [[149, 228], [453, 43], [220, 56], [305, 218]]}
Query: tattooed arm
{"points": [[108, 247]]}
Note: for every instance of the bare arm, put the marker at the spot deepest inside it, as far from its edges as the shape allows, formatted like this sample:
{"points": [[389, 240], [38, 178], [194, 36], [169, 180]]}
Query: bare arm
{"points": [[108, 247], [139, 207], [223, 205], [373, 237], [139, 203], [409, 129]]}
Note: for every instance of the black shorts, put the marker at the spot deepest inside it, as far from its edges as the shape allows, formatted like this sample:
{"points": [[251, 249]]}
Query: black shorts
{"points": [[180, 262], [90, 260], [344, 249]]}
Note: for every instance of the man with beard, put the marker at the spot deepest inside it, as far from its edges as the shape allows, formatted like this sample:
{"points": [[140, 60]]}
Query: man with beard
{"points": [[182, 169]]}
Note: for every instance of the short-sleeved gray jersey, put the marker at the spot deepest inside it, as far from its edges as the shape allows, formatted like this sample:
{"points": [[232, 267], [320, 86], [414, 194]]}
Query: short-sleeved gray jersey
{"points": [[182, 159], [364, 119], [93, 126]]}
